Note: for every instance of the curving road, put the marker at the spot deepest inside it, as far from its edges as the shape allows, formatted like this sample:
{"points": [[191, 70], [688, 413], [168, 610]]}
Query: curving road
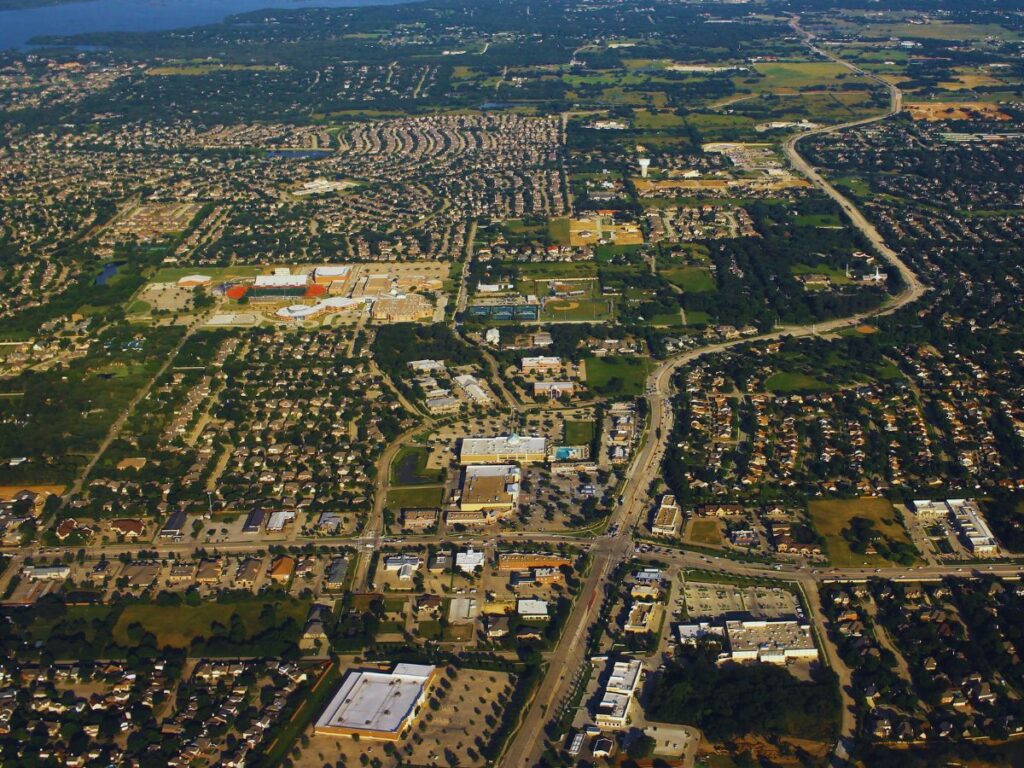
{"points": [[528, 745]]}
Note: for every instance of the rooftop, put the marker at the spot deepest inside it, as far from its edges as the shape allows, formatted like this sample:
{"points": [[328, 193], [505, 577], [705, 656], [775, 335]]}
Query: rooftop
{"points": [[377, 702]]}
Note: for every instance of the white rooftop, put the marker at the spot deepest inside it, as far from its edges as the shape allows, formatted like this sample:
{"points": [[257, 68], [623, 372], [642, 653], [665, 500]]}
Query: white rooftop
{"points": [[534, 608], [504, 445], [625, 676], [469, 560], [377, 701], [281, 281]]}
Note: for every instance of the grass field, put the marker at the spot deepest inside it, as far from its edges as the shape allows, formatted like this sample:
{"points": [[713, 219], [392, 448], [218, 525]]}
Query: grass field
{"points": [[817, 220], [716, 127], [458, 633], [830, 517], [547, 271], [617, 375], [704, 532], [784, 75], [206, 69], [657, 120], [178, 625], [939, 30], [518, 229], [581, 308], [793, 382], [666, 320], [578, 432], [430, 629], [690, 279], [558, 231], [410, 498]]}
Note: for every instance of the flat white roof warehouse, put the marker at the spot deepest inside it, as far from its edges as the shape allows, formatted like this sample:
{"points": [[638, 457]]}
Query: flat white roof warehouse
{"points": [[376, 704]]}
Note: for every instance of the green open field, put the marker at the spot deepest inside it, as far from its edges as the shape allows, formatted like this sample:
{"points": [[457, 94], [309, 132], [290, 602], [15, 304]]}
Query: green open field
{"points": [[783, 382], [578, 432], [617, 375], [798, 74], [558, 231], [705, 532], [521, 230], [410, 498], [830, 517], [206, 69], [690, 279], [430, 629], [577, 308], [458, 633], [940, 30], [718, 127], [544, 272], [409, 467], [647, 119], [817, 220], [178, 625]]}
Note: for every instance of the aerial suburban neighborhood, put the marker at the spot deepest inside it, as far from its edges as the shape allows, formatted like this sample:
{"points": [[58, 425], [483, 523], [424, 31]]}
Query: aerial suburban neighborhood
{"points": [[480, 383]]}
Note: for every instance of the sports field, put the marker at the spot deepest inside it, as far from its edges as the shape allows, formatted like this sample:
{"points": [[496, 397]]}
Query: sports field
{"points": [[576, 309]]}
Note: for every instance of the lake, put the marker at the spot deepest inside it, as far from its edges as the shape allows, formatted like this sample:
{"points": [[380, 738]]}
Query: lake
{"points": [[19, 26], [108, 272]]}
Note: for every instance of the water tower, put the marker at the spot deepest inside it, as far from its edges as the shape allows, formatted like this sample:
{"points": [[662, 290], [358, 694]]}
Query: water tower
{"points": [[645, 163]]}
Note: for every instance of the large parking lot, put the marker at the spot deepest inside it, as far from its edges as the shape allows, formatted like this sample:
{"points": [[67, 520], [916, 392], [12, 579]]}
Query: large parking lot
{"points": [[713, 601]]}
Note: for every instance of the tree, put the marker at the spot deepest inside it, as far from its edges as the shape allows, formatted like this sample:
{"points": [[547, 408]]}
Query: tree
{"points": [[641, 747]]}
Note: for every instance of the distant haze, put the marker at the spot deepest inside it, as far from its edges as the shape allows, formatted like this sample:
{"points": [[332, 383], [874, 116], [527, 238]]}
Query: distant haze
{"points": [[19, 26]]}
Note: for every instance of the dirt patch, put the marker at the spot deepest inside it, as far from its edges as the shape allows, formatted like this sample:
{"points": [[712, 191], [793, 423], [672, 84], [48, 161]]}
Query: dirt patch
{"points": [[760, 749], [952, 110]]}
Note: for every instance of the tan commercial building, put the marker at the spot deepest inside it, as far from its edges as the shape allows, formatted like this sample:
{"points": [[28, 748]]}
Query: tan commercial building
{"points": [[538, 364], [642, 617], [419, 519], [470, 517], [490, 487], [402, 309]]}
